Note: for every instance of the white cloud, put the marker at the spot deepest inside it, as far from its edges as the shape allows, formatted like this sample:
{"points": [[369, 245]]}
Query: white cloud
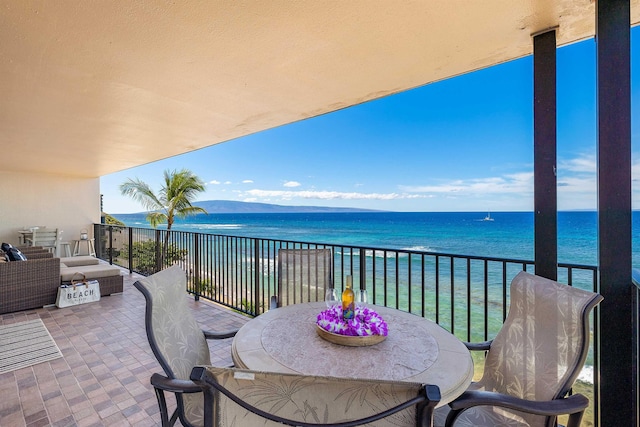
{"points": [[635, 170], [581, 164], [578, 184], [329, 195], [576, 177], [514, 183], [214, 182], [247, 181], [227, 182]]}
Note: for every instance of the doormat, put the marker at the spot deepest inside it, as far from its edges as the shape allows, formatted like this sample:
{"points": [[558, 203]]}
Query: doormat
{"points": [[25, 344]]}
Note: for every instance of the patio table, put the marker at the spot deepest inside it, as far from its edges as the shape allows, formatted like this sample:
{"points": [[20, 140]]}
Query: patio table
{"points": [[416, 350]]}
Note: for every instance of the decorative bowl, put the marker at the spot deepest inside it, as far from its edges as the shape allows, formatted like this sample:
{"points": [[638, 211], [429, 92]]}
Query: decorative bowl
{"points": [[349, 340]]}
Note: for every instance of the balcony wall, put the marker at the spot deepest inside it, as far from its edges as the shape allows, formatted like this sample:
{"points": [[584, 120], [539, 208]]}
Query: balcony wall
{"points": [[66, 202]]}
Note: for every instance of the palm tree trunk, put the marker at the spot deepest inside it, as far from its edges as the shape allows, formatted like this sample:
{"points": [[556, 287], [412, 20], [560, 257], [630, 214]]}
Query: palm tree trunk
{"points": [[165, 249]]}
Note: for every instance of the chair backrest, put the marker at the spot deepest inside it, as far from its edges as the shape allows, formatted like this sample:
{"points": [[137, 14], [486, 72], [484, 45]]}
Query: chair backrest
{"points": [[310, 399], [45, 237], [303, 275], [543, 344], [174, 335]]}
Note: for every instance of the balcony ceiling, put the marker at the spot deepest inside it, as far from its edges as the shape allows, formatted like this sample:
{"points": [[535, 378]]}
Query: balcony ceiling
{"points": [[93, 87]]}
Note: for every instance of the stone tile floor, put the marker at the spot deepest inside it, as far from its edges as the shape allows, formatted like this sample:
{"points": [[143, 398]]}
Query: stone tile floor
{"points": [[103, 377]]}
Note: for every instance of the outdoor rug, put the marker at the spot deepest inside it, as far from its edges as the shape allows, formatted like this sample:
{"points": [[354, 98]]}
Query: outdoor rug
{"points": [[24, 344]]}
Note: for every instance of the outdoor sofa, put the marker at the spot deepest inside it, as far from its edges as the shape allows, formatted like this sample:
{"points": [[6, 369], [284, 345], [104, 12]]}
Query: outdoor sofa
{"points": [[29, 284], [88, 267], [33, 283]]}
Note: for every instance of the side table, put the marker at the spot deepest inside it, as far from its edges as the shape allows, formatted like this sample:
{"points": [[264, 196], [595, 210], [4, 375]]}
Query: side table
{"points": [[91, 250]]}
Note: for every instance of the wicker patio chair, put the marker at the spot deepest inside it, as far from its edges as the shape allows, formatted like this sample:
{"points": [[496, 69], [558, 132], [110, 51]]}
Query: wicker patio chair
{"points": [[303, 276], [177, 342], [532, 362], [235, 397]]}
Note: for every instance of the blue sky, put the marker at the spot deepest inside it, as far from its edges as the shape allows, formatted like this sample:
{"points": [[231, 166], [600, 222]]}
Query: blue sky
{"points": [[464, 144]]}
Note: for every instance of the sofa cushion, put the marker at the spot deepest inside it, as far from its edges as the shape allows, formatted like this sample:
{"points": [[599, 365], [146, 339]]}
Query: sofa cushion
{"points": [[90, 272], [75, 261]]}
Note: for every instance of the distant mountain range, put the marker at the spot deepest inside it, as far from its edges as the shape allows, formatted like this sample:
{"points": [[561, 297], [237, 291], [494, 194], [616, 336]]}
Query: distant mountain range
{"points": [[228, 206]]}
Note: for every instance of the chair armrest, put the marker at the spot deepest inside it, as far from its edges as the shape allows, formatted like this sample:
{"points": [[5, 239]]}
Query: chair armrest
{"points": [[573, 405], [478, 346], [210, 335], [174, 385]]}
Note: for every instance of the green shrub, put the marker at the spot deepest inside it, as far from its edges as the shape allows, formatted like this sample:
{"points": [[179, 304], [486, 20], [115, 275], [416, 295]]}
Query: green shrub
{"points": [[144, 256]]}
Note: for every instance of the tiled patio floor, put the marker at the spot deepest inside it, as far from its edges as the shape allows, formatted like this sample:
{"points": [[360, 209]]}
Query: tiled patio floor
{"points": [[103, 377]]}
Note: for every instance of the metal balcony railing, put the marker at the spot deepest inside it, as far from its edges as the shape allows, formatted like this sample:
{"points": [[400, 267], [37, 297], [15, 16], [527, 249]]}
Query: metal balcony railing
{"points": [[467, 295]]}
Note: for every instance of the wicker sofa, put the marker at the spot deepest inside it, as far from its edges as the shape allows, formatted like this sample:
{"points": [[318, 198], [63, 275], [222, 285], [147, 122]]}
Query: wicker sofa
{"points": [[34, 283], [29, 284]]}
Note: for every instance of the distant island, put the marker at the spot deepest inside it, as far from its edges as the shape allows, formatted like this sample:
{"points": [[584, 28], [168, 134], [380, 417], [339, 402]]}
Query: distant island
{"points": [[229, 206]]}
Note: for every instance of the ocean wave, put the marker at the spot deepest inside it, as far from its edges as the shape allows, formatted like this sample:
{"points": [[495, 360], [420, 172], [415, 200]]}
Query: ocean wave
{"points": [[390, 253], [214, 226], [419, 248]]}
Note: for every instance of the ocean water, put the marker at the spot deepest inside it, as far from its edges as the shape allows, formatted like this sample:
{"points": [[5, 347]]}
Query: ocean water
{"points": [[509, 235]]}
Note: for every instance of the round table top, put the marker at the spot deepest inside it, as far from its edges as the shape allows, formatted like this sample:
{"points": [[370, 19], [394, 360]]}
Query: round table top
{"points": [[416, 349]]}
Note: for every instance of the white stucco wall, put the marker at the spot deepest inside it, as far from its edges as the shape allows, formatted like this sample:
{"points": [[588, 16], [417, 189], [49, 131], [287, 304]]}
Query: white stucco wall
{"points": [[30, 199]]}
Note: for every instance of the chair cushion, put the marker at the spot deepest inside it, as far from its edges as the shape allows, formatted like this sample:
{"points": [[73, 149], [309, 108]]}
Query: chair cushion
{"points": [[74, 261], [311, 399], [90, 272], [481, 416], [176, 334]]}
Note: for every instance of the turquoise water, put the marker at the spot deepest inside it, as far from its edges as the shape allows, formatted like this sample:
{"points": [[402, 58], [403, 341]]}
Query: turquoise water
{"points": [[510, 235]]}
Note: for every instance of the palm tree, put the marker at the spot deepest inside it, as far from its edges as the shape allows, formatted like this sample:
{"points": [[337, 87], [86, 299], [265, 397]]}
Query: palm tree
{"points": [[173, 201]]}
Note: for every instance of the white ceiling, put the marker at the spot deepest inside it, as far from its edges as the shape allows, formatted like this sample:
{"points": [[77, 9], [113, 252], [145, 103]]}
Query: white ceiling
{"points": [[119, 83]]}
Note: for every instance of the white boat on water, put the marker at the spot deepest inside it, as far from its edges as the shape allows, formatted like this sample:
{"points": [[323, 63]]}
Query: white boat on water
{"points": [[488, 217]]}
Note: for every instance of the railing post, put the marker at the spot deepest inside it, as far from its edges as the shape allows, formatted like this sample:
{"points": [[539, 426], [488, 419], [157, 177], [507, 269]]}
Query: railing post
{"points": [[111, 244], [97, 232], [158, 251], [257, 270], [363, 269], [130, 250], [196, 266]]}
